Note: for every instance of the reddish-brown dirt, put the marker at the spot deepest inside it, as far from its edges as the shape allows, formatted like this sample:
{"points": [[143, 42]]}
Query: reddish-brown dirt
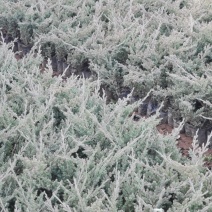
{"points": [[185, 143]]}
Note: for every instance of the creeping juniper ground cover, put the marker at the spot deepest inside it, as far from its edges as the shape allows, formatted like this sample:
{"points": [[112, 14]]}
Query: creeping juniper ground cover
{"points": [[83, 86]]}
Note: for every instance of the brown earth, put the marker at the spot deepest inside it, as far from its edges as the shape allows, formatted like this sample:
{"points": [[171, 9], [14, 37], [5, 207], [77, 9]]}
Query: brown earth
{"points": [[185, 143]]}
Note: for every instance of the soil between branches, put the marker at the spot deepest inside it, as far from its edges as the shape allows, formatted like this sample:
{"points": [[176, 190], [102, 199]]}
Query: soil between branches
{"points": [[185, 143]]}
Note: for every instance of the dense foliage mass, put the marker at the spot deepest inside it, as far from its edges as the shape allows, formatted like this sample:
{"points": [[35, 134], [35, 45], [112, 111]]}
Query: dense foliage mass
{"points": [[65, 147], [138, 44]]}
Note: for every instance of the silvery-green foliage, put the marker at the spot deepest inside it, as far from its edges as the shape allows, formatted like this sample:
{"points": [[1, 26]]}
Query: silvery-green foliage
{"points": [[64, 140], [63, 148], [188, 87], [126, 42]]}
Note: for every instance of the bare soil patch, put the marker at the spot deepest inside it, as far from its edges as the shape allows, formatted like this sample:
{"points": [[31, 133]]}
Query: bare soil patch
{"points": [[185, 143]]}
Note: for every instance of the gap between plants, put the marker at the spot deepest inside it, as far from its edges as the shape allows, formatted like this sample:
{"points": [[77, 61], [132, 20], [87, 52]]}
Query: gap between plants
{"points": [[184, 141]]}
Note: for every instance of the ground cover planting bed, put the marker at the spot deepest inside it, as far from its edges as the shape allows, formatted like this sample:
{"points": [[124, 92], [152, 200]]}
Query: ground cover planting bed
{"points": [[105, 105], [184, 141]]}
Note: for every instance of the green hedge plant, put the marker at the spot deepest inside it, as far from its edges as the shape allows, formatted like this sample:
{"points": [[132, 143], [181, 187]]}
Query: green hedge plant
{"points": [[64, 148]]}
